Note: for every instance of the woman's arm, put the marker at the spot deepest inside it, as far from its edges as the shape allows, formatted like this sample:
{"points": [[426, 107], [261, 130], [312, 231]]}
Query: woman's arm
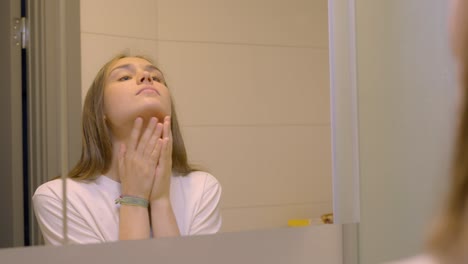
{"points": [[134, 223], [136, 168], [163, 220]]}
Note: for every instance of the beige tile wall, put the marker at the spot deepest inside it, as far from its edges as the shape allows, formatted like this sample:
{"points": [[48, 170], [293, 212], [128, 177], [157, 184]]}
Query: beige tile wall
{"points": [[251, 85]]}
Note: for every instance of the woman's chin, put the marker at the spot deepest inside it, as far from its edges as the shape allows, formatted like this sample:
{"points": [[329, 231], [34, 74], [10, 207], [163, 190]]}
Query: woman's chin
{"points": [[128, 118], [148, 113]]}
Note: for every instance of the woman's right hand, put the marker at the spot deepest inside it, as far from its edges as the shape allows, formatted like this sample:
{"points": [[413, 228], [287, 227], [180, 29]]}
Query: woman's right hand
{"points": [[137, 160]]}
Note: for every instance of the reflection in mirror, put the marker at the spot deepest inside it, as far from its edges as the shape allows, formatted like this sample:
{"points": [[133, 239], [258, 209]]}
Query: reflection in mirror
{"points": [[250, 81], [251, 85]]}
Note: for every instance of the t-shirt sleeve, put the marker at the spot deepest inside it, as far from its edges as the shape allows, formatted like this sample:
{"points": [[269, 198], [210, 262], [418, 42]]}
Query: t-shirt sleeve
{"points": [[207, 218], [48, 211]]}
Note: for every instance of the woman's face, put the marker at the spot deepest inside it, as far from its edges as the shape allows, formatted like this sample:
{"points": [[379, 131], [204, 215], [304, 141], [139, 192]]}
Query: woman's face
{"points": [[134, 88]]}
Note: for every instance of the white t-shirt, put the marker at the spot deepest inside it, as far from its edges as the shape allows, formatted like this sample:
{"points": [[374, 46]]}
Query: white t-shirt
{"points": [[93, 216], [421, 259]]}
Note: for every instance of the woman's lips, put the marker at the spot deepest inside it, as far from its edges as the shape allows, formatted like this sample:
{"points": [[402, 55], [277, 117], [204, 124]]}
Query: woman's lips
{"points": [[148, 90]]}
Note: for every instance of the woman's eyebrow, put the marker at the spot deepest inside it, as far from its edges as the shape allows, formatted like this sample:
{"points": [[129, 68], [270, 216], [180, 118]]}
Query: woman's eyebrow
{"points": [[151, 67], [130, 67], [123, 66]]}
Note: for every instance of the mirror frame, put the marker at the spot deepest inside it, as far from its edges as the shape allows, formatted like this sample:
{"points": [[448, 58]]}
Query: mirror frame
{"points": [[344, 111]]}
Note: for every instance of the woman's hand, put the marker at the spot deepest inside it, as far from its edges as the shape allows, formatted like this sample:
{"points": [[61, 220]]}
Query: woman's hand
{"points": [[162, 180], [163, 221], [137, 161]]}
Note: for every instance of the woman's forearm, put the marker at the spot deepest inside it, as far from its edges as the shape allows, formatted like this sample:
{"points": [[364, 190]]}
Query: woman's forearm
{"points": [[134, 223], [163, 219]]}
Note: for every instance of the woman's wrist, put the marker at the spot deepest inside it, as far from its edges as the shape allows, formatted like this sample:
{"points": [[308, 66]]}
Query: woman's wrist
{"points": [[134, 193], [132, 201], [162, 202]]}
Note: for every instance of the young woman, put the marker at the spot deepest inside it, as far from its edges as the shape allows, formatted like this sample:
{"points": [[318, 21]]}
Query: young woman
{"points": [[133, 180], [448, 241]]}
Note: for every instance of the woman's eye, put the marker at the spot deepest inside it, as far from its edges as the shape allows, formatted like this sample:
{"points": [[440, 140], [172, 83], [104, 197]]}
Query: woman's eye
{"points": [[156, 79], [124, 78]]}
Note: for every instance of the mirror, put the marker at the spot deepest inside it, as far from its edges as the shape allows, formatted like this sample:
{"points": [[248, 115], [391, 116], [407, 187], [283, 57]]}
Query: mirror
{"points": [[250, 81]]}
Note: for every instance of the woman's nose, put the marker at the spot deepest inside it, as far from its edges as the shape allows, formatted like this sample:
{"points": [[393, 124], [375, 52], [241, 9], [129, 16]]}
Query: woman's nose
{"points": [[145, 77]]}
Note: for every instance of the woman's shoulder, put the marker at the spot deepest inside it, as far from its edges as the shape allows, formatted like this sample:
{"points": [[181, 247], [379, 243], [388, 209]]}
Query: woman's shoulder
{"points": [[54, 187], [50, 188], [199, 180]]}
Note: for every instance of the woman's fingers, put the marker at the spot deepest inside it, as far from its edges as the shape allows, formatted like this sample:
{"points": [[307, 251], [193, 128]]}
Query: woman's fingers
{"points": [[157, 150], [146, 137], [159, 130], [163, 133], [165, 156], [165, 159], [168, 136], [132, 144], [167, 127], [153, 142]]}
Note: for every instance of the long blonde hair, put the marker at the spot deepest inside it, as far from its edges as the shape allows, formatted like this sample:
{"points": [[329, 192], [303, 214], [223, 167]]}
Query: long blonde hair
{"points": [[96, 153]]}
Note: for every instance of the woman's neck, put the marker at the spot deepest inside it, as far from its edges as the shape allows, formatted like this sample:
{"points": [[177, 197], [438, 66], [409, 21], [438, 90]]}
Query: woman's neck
{"points": [[113, 169]]}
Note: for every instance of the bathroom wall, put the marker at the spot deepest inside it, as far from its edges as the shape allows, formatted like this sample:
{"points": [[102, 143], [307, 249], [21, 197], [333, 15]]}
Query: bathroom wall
{"points": [[407, 115], [251, 86]]}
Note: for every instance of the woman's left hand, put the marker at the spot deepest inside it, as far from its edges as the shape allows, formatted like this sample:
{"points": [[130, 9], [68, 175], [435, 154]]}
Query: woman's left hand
{"points": [[162, 179]]}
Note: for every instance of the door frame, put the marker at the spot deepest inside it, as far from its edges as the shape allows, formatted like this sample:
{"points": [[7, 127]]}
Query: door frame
{"points": [[53, 67], [54, 63]]}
